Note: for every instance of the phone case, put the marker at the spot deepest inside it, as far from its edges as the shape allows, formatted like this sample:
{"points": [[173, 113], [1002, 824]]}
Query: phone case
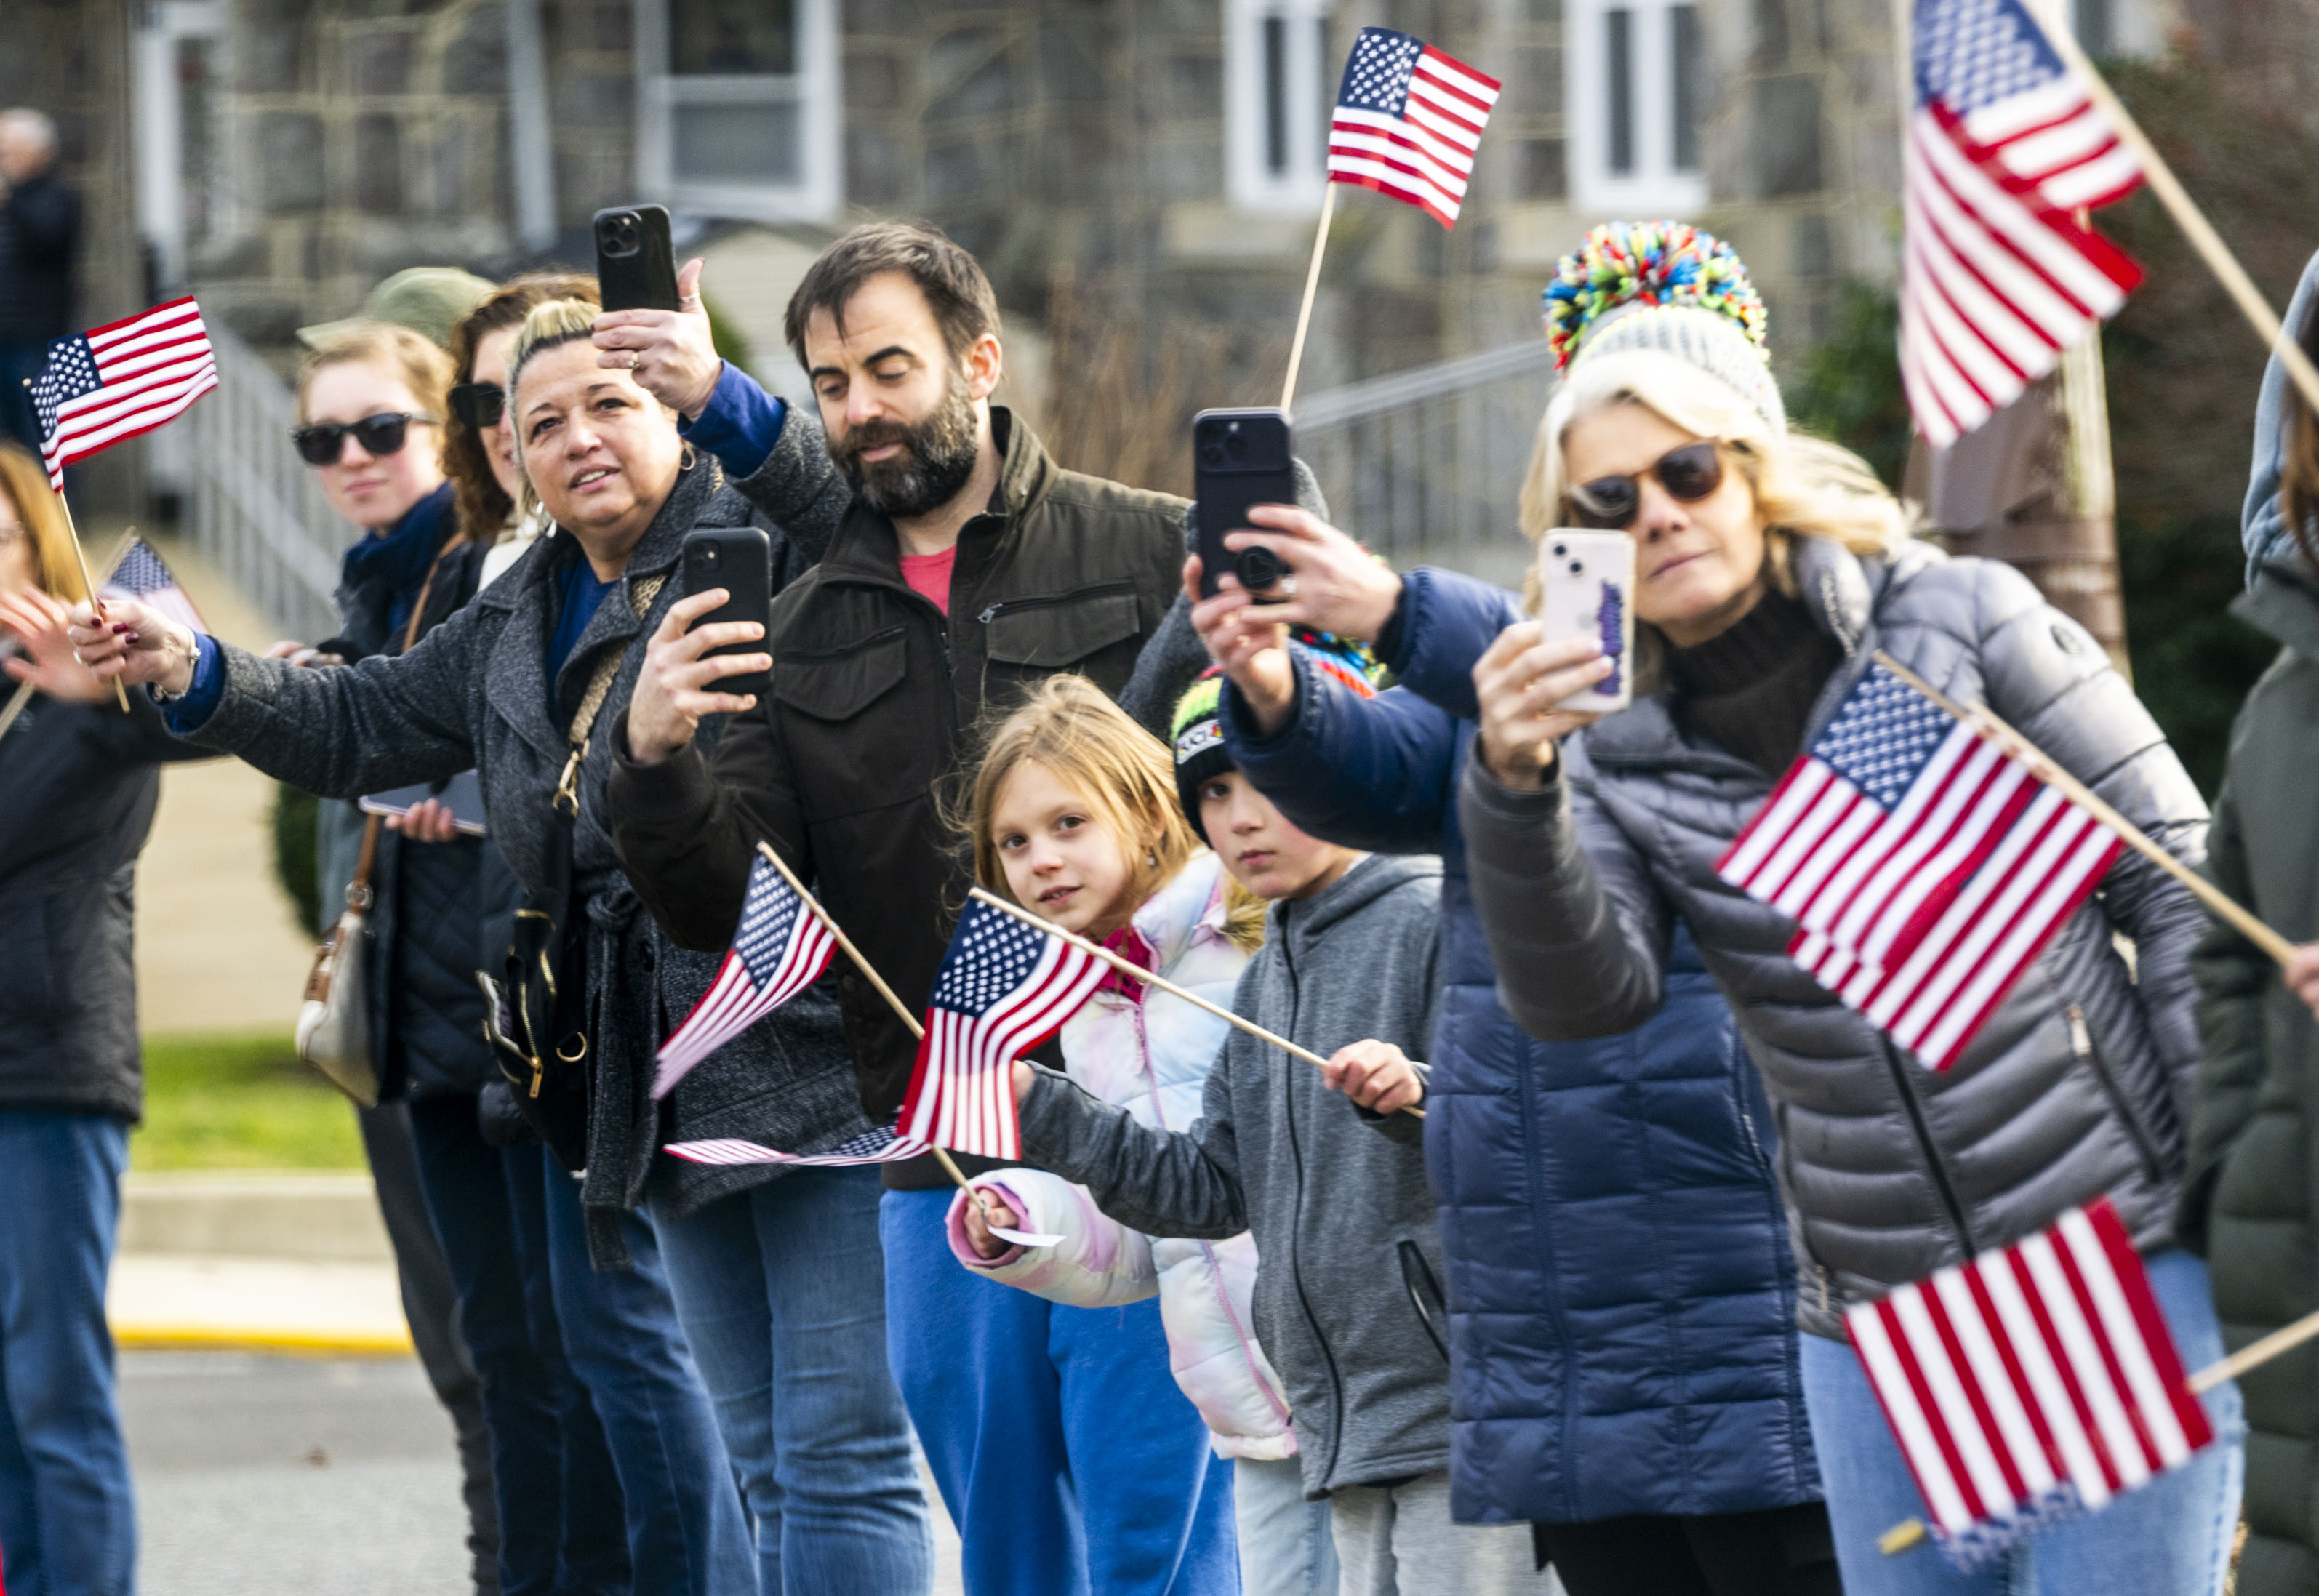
{"points": [[1586, 586], [740, 559], [636, 259], [1241, 458]]}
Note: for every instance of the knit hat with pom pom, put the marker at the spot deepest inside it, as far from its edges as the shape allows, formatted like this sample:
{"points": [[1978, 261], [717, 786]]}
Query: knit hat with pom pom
{"points": [[1196, 731], [1669, 287]]}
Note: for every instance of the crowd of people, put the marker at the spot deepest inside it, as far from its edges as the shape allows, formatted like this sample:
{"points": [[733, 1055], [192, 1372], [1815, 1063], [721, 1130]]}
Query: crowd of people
{"points": [[1540, 1283]]}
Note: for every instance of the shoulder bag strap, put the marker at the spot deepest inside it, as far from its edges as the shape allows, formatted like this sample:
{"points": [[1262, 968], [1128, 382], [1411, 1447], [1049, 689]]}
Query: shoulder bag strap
{"points": [[359, 894], [642, 591]]}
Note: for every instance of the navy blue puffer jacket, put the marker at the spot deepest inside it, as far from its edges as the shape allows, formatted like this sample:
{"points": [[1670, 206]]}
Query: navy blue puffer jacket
{"points": [[1622, 1298]]}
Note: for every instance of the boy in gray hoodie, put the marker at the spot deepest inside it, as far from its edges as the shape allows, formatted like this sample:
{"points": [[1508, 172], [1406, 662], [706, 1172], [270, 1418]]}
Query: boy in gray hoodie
{"points": [[1348, 1303]]}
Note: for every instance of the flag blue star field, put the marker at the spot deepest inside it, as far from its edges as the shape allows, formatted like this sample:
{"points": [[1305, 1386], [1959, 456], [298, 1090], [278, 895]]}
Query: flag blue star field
{"points": [[1408, 121], [778, 949], [116, 380], [1003, 988], [140, 574], [1925, 866]]}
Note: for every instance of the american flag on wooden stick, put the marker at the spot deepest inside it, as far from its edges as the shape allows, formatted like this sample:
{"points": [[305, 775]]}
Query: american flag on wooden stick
{"points": [[2030, 1384], [1926, 867], [1003, 988], [2005, 151], [1408, 121], [116, 380], [140, 574], [780, 947], [883, 1145]]}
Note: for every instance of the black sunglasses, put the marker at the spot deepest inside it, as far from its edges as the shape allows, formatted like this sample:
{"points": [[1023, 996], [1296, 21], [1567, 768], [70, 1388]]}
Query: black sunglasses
{"points": [[378, 435], [1612, 503], [479, 404]]}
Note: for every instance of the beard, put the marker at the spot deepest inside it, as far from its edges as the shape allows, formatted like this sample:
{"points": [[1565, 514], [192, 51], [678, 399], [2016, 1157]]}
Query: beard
{"points": [[937, 458]]}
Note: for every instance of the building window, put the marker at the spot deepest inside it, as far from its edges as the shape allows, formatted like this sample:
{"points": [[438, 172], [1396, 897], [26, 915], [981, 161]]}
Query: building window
{"points": [[739, 108], [1635, 76], [1280, 81]]}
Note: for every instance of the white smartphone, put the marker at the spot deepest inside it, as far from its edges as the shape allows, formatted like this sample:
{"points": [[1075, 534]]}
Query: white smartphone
{"points": [[1586, 589]]}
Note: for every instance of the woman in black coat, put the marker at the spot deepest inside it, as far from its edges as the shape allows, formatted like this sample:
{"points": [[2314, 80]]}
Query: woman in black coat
{"points": [[78, 791]]}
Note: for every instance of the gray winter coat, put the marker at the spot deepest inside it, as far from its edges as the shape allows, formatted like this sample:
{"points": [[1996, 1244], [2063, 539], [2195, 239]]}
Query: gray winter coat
{"points": [[1349, 1304], [474, 693], [1890, 1169]]}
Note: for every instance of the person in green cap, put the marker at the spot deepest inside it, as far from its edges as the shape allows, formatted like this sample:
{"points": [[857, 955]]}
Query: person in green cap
{"points": [[427, 300]]}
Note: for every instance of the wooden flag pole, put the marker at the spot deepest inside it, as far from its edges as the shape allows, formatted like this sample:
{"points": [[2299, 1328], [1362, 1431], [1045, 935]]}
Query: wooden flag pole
{"points": [[1137, 972], [2194, 224], [95, 604], [1313, 286], [1989, 727], [941, 1154]]}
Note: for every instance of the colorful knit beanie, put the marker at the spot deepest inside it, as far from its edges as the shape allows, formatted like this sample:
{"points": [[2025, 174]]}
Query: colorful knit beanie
{"points": [[1669, 287], [1196, 731]]}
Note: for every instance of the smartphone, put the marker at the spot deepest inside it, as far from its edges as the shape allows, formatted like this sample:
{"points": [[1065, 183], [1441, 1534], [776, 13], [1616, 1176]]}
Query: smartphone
{"points": [[1586, 589], [740, 559], [636, 260], [462, 794], [1239, 459]]}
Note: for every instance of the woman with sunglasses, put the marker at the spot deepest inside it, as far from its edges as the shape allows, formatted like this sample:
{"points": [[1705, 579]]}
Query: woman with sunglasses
{"points": [[1768, 577], [1623, 1352]]}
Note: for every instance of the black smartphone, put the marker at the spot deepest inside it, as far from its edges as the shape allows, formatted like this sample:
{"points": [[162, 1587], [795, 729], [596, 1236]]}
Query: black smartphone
{"points": [[1240, 460], [636, 259], [740, 559]]}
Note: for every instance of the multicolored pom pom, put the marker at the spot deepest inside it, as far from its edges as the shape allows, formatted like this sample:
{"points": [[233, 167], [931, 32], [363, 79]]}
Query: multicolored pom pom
{"points": [[1649, 263]]}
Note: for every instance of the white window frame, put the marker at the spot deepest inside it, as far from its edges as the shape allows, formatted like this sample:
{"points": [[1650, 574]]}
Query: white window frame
{"points": [[1308, 92], [818, 194], [161, 182], [1653, 187]]}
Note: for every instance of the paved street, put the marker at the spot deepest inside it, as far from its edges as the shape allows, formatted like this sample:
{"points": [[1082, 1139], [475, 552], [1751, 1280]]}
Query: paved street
{"points": [[277, 1476]]}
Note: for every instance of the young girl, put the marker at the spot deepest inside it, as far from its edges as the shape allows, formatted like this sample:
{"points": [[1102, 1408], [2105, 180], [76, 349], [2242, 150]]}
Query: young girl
{"points": [[1074, 815]]}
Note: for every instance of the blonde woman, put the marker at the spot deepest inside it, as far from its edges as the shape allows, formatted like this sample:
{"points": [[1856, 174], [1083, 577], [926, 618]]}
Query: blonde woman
{"points": [[1769, 569], [78, 791]]}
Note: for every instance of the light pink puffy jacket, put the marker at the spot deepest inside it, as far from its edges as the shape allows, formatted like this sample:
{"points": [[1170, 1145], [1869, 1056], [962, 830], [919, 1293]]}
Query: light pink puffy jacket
{"points": [[1152, 1058]]}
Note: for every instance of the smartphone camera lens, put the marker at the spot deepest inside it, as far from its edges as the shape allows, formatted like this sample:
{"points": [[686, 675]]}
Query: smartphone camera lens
{"points": [[1211, 453], [1561, 549], [1577, 568], [708, 554], [1257, 569], [1236, 447]]}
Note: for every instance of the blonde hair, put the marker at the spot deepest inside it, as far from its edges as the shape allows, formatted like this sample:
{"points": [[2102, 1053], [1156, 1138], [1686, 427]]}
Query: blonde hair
{"points": [[1067, 723], [26, 485], [550, 325], [422, 364], [1803, 486]]}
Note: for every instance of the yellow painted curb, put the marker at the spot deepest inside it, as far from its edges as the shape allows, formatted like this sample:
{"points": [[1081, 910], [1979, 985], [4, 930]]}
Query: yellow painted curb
{"points": [[222, 1338]]}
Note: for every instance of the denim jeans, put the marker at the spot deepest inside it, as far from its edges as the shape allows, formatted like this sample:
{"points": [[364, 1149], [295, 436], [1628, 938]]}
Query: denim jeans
{"points": [[782, 1296], [688, 1535], [2170, 1537], [552, 1472], [1286, 1545], [67, 1522]]}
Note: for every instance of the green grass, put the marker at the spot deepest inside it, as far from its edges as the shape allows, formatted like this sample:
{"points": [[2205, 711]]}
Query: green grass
{"points": [[243, 1102]]}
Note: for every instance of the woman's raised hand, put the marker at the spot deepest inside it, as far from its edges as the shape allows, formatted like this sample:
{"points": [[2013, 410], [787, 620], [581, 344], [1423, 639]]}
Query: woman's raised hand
{"points": [[673, 690], [133, 643], [1518, 679], [38, 620], [1332, 583], [1250, 642], [670, 352]]}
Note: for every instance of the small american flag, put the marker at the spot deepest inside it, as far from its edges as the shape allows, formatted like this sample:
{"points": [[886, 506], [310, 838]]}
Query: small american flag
{"points": [[140, 575], [883, 1145], [1003, 988], [119, 380], [1408, 121], [1999, 275], [1926, 867], [780, 948], [2030, 1384]]}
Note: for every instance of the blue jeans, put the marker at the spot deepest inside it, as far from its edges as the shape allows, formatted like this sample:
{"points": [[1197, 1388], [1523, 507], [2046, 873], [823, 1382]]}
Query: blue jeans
{"points": [[1068, 1459], [1286, 1548], [688, 1535], [67, 1522], [552, 1471], [783, 1299], [2170, 1537]]}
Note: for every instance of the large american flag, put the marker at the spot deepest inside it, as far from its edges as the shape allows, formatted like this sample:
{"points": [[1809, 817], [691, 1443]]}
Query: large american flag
{"points": [[140, 574], [779, 950], [116, 380], [1003, 988], [1926, 867], [2000, 273], [2030, 1384], [1408, 121]]}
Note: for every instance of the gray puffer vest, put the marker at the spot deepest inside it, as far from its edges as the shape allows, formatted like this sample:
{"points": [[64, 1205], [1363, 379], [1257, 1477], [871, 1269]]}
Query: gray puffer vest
{"points": [[2079, 1084]]}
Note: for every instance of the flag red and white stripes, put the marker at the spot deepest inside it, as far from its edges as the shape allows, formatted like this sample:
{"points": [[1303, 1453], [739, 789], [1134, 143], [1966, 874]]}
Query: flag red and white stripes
{"points": [[2030, 1383], [1408, 122], [2003, 151], [1003, 988], [780, 947], [879, 1146], [1926, 867], [119, 380]]}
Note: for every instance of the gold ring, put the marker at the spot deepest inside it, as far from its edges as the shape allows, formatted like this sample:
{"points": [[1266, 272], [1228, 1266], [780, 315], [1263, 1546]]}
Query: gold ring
{"points": [[635, 358]]}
